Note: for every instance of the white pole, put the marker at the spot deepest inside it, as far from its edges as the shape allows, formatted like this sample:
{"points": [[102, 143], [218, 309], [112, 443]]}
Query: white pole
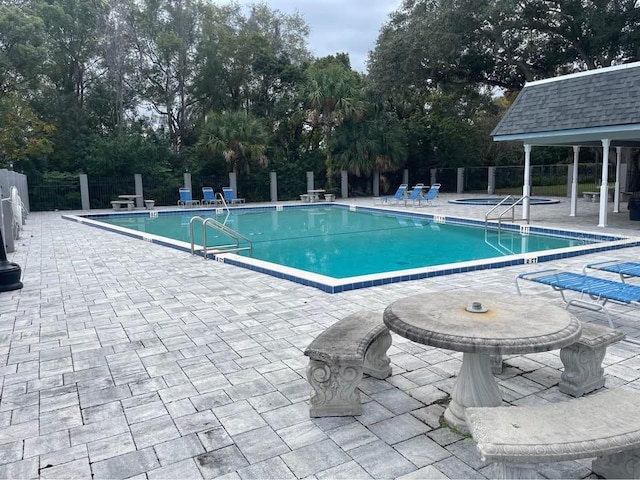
{"points": [[574, 182], [604, 186], [526, 188], [616, 190]]}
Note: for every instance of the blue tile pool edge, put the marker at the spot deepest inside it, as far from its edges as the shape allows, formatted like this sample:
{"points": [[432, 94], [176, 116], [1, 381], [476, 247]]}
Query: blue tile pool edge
{"points": [[333, 285]]}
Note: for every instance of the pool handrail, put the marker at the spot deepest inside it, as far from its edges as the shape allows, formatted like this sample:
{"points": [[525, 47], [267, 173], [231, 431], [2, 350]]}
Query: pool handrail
{"points": [[222, 228], [511, 209]]}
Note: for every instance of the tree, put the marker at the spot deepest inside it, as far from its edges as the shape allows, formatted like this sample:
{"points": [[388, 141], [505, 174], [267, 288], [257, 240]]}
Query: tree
{"points": [[118, 53], [501, 43], [331, 94], [378, 142], [166, 42], [23, 135], [22, 53], [250, 62], [238, 136], [73, 31]]}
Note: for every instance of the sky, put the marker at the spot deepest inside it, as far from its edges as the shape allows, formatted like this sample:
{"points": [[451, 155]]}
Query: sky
{"points": [[350, 26]]}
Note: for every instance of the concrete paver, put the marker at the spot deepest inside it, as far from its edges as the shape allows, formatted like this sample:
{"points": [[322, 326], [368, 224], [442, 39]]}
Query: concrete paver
{"points": [[121, 358]]}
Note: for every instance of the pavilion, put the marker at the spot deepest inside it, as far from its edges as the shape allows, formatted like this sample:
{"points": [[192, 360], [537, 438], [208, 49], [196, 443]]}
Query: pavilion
{"points": [[595, 108]]}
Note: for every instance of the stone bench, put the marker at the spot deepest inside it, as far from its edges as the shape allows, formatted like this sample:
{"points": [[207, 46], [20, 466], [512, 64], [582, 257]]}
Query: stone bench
{"points": [[605, 425], [591, 196], [149, 204], [117, 204], [339, 356], [582, 360]]}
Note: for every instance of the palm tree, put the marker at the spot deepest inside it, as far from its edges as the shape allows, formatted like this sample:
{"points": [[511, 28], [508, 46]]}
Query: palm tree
{"points": [[331, 95], [377, 143], [236, 135]]}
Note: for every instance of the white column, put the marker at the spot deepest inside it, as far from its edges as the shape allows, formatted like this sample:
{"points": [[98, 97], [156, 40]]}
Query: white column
{"points": [[574, 182], [604, 186], [526, 188], [616, 190]]}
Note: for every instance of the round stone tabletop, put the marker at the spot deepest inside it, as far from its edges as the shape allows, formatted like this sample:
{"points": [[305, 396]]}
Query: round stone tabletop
{"points": [[504, 323]]}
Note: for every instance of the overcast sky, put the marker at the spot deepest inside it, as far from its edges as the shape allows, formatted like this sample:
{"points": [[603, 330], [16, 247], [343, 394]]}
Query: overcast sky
{"points": [[350, 26]]}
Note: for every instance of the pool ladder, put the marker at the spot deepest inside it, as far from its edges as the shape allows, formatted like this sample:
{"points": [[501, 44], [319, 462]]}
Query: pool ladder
{"points": [[510, 209], [240, 242]]}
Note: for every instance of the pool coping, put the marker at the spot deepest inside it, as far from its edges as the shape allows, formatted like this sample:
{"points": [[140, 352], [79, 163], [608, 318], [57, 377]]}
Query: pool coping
{"points": [[337, 285]]}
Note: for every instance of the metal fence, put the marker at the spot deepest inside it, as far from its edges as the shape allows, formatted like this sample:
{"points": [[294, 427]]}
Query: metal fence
{"points": [[62, 191]]}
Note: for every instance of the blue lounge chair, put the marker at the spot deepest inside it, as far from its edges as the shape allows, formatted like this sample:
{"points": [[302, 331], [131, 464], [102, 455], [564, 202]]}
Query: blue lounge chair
{"points": [[185, 198], [594, 292], [209, 197], [430, 197], [415, 194], [230, 196], [397, 197], [624, 269]]}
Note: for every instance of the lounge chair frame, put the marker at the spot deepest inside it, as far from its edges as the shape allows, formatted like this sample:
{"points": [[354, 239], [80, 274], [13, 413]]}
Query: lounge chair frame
{"points": [[186, 200], [430, 197], [595, 292], [624, 269], [415, 194], [230, 196], [209, 197], [396, 197]]}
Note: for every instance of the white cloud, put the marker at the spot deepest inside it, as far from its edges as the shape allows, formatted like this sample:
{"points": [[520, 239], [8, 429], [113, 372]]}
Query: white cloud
{"points": [[350, 26]]}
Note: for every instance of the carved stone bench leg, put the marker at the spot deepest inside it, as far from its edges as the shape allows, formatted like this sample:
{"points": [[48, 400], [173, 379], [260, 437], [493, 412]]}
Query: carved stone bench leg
{"points": [[619, 465], [505, 471], [583, 370], [376, 361], [335, 392]]}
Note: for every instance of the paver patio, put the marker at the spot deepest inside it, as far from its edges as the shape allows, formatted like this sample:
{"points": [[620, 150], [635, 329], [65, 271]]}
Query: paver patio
{"points": [[121, 358]]}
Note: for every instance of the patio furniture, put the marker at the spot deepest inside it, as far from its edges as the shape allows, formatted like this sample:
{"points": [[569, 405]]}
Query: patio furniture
{"points": [[209, 197], [582, 360], [339, 356], [591, 196], [117, 204], [415, 194], [480, 324], [605, 425], [185, 198], [594, 292], [230, 196], [624, 269], [430, 197], [314, 194], [396, 197]]}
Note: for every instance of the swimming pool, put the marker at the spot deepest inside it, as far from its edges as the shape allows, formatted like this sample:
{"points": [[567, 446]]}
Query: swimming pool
{"points": [[339, 247]]}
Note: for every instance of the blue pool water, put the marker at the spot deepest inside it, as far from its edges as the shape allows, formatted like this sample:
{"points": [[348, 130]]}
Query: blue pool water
{"points": [[340, 243]]}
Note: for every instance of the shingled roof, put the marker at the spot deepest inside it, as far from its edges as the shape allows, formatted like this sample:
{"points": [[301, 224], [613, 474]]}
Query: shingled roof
{"points": [[577, 109]]}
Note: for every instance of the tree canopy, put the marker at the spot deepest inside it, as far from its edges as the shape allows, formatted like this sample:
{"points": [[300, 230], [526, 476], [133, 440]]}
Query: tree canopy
{"points": [[166, 86]]}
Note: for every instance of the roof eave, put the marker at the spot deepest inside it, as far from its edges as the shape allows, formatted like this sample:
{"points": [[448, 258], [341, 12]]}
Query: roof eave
{"points": [[579, 136]]}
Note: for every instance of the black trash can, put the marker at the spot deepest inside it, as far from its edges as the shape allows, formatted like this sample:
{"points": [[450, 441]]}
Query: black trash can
{"points": [[634, 208]]}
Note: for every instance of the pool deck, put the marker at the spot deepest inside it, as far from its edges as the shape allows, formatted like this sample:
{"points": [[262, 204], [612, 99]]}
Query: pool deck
{"points": [[126, 359]]}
